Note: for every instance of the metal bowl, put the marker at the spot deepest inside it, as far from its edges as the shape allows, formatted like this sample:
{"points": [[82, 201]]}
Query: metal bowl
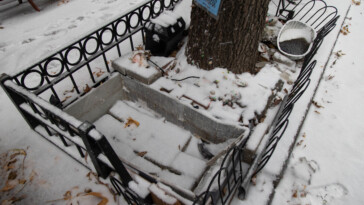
{"points": [[295, 39]]}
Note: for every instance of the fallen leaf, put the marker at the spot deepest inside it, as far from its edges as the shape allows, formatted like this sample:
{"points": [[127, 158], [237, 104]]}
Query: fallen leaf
{"points": [[22, 181], [339, 53], [103, 201], [9, 185], [32, 175], [69, 91], [86, 89], [10, 164], [13, 200], [67, 195], [141, 154], [294, 194], [131, 121], [18, 152], [12, 175], [299, 143], [66, 98], [330, 77], [356, 2], [99, 72], [303, 194], [316, 104], [254, 180], [317, 112], [86, 155], [345, 30]]}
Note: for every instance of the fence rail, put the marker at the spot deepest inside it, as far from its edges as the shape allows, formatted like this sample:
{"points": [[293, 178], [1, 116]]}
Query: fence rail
{"points": [[40, 102]]}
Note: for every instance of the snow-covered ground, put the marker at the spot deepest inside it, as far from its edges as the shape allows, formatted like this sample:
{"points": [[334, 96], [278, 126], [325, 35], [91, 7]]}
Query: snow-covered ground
{"points": [[324, 167]]}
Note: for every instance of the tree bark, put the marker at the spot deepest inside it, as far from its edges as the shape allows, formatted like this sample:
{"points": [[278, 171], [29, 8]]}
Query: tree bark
{"points": [[231, 41]]}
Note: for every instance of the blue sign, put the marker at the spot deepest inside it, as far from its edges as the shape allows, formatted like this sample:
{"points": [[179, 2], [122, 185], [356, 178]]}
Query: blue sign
{"points": [[211, 6]]}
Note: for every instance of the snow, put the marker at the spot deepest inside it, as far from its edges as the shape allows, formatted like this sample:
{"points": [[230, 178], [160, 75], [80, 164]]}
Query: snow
{"points": [[327, 164], [140, 186], [166, 19], [145, 144], [128, 66], [324, 168], [162, 195], [218, 86]]}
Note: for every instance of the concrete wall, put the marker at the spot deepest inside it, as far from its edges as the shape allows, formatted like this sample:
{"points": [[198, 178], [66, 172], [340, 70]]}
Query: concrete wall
{"points": [[96, 103]]}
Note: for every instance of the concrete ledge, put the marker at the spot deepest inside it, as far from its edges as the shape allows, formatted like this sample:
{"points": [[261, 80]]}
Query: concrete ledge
{"points": [[145, 75]]}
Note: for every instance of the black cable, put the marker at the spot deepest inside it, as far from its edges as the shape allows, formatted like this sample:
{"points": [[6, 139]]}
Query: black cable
{"points": [[157, 66], [186, 78]]}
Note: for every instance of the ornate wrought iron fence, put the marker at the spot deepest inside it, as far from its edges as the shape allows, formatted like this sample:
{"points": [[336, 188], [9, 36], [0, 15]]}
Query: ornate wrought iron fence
{"points": [[315, 13], [69, 133], [95, 50]]}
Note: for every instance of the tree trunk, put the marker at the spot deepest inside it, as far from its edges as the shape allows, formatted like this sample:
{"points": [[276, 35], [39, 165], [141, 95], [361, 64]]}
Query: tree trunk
{"points": [[231, 41]]}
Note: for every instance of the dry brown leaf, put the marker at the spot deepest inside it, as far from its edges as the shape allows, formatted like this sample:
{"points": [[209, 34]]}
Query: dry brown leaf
{"points": [[316, 104], [254, 180], [141, 154], [62, 2], [345, 30], [32, 175], [22, 181], [12, 175], [98, 181], [18, 152], [103, 201], [69, 91], [317, 112], [356, 2], [66, 98], [99, 72], [299, 143], [294, 195], [9, 185], [67, 195], [10, 164], [86, 89], [86, 155], [12, 200], [131, 121]]}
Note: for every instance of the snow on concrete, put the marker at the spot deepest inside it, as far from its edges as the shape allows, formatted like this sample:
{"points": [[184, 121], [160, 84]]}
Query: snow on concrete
{"points": [[151, 143]]}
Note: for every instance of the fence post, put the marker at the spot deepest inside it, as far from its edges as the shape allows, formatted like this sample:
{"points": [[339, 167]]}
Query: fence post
{"points": [[114, 160], [93, 149]]}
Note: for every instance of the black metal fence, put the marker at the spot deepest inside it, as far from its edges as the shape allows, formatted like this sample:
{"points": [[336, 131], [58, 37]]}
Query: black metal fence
{"points": [[88, 60], [302, 82], [322, 18], [33, 89]]}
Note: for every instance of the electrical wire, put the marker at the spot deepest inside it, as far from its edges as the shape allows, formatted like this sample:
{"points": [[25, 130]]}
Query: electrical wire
{"points": [[186, 78]]}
